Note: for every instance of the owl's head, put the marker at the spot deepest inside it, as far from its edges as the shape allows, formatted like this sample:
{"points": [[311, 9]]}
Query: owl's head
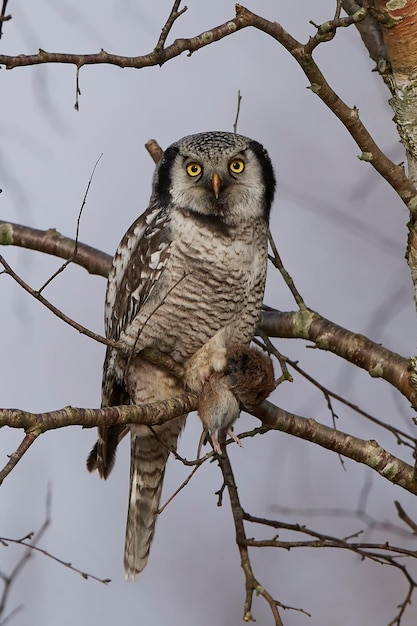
{"points": [[217, 174]]}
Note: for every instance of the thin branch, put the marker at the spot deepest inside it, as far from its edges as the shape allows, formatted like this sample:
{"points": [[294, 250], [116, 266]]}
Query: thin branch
{"points": [[405, 518], [33, 548], [323, 540], [327, 30], [77, 89], [239, 100], [384, 553], [338, 9], [10, 579], [3, 16], [401, 436], [81, 329], [251, 584], [173, 16], [29, 542], [181, 487], [77, 232], [276, 261], [267, 345], [360, 512], [14, 458]]}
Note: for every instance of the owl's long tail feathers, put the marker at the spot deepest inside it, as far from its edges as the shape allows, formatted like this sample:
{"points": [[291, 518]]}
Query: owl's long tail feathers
{"points": [[149, 455]]}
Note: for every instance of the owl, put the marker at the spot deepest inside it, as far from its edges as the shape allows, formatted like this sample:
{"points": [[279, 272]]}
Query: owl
{"points": [[187, 279]]}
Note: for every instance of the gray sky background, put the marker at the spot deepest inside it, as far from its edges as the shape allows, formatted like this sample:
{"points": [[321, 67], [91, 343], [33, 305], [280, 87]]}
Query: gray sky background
{"points": [[341, 232]]}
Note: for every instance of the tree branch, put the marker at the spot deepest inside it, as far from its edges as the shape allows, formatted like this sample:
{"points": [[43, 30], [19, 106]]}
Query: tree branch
{"points": [[173, 16], [50, 241], [366, 452], [35, 424], [148, 414], [378, 361], [251, 584], [393, 174], [158, 56]]}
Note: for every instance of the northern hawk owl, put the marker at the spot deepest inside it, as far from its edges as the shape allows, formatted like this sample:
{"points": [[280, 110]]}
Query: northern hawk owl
{"points": [[188, 279]]}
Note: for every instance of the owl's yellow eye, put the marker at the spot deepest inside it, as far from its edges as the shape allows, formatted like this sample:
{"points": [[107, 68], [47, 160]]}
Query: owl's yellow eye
{"points": [[194, 169], [236, 166]]}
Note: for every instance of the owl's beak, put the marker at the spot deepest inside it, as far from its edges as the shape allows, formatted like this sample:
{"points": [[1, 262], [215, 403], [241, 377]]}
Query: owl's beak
{"points": [[215, 183]]}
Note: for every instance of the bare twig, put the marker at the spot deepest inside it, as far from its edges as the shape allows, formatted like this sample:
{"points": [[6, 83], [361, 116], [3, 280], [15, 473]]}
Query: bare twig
{"points": [[10, 579], [77, 232], [239, 100], [17, 455], [251, 583], [77, 89], [81, 329], [29, 542], [405, 518], [276, 261], [173, 16], [384, 553], [401, 436], [338, 9], [3, 16], [327, 30], [267, 345], [33, 548], [360, 512], [181, 487]]}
